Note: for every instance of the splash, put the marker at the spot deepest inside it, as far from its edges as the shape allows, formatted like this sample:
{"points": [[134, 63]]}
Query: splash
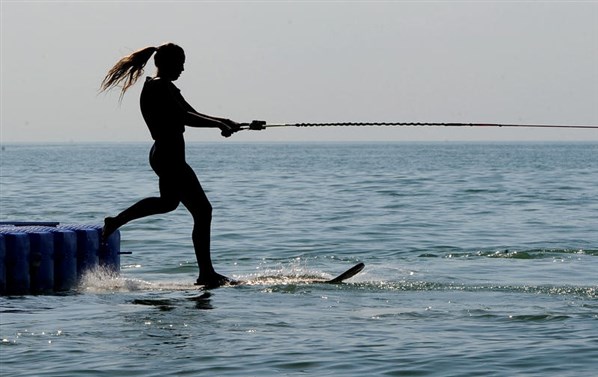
{"points": [[296, 273], [102, 280]]}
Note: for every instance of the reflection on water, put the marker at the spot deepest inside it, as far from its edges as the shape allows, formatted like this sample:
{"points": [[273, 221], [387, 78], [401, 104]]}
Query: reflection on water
{"points": [[201, 301]]}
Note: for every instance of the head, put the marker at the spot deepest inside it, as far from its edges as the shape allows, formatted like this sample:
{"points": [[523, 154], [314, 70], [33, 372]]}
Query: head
{"points": [[169, 60]]}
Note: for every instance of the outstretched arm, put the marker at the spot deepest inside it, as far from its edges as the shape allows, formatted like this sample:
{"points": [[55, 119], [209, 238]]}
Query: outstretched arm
{"points": [[197, 119], [227, 126]]}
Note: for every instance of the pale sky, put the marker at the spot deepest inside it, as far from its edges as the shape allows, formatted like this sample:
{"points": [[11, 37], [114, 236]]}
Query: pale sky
{"points": [[307, 61]]}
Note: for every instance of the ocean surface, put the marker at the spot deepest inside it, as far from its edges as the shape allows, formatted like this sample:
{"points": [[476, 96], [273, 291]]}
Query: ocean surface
{"points": [[481, 260]]}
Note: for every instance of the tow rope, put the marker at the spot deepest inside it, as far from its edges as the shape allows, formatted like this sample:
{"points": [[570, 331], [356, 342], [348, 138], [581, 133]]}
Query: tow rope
{"points": [[261, 125]]}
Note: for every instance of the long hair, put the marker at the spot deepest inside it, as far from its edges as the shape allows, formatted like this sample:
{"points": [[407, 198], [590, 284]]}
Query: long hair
{"points": [[127, 70]]}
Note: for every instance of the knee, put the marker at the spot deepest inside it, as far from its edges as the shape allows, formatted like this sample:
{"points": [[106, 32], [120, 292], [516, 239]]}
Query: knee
{"points": [[169, 204], [202, 213], [206, 211]]}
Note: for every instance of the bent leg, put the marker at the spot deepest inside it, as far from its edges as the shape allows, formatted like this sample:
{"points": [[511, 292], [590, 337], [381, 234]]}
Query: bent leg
{"points": [[168, 201]]}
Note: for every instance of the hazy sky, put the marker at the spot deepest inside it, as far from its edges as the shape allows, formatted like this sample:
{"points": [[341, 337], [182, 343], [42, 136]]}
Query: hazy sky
{"points": [[307, 61]]}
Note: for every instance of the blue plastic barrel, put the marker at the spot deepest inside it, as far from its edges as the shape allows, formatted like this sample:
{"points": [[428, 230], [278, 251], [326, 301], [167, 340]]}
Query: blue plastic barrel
{"points": [[41, 263], [17, 261], [65, 259], [2, 265], [110, 252], [88, 245]]}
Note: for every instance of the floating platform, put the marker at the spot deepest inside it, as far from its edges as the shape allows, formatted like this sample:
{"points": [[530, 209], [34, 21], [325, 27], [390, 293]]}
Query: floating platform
{"points": [[48, 257]]}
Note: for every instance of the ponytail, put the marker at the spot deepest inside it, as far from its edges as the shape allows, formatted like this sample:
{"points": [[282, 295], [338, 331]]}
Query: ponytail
{"points": [[127, 70]]}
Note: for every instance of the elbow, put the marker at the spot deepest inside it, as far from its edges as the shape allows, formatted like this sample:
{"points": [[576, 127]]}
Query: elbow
{"points": [[193, 120]]}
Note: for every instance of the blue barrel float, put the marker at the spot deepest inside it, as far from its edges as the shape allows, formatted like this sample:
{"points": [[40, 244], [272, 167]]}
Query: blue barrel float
{"points": [[47, 257]]}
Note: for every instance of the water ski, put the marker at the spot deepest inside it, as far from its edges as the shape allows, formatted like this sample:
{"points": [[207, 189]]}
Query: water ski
{"points": [[337, 280], [203, 301], [347, 274]]}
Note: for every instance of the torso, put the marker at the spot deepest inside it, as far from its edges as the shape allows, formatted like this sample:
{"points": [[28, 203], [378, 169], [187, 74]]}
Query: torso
{"points": [[162, 107]]}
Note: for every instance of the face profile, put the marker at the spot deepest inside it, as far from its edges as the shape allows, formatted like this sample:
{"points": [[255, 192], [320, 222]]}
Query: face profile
{"points": [[170, 61]]}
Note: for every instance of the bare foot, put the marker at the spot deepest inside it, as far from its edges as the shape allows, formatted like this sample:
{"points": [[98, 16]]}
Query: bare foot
{"points": [[215, 280], [110, 226]]}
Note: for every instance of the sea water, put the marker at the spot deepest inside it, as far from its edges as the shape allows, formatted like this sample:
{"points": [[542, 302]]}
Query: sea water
{"points": [[481, 260]]}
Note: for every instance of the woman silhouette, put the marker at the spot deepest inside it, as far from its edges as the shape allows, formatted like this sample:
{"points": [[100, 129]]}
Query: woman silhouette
{"points": [[166, 114]]}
